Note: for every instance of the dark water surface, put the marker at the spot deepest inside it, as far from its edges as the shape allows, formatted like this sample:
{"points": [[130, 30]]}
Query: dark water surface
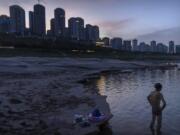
{"points": [[127, 97]]}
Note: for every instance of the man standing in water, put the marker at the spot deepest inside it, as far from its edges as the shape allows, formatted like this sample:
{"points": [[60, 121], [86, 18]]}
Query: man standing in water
{"points": [[155, 98]]}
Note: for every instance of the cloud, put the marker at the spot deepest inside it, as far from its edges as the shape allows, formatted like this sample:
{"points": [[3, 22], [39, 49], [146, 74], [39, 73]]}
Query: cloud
{"points": [[116, 27], [116, 18], [115, 24], [163, 35]]}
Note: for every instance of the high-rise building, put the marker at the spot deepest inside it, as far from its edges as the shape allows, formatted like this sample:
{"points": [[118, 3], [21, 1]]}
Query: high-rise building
{"points": [[66, 32], [116, 43], [95, 33], [161, 48], [39, 20], [51, 31], [52, 26], [135, 45], [31, 22], [147, 48], [127, 45], [106, 41], [5, 24], [76, 28], [153, 46], [171, 47], [89, 32], [59, 15], [17, 14], [142, 47], [92, 33], [178, 49]]}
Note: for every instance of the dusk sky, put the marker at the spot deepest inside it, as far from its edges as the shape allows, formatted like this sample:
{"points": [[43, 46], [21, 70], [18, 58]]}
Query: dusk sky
{"points": [[143, 19]]}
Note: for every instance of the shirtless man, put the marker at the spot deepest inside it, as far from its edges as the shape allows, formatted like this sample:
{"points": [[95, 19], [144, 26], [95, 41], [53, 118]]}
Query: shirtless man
{"points": [[155, 98]]}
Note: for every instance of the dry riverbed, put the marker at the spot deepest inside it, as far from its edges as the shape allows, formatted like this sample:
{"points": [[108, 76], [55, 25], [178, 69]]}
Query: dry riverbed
{"points": [[39, 96]]}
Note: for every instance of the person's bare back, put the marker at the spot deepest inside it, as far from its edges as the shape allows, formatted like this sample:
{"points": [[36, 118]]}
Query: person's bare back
{"points": [[155, 99]]}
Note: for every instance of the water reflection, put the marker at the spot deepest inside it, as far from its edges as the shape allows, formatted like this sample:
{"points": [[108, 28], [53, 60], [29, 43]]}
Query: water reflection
{"points": [[101, 84], [156, 132], [127, 98]]}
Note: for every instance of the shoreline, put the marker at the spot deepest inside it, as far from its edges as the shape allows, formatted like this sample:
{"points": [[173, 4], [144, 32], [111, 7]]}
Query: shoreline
{"points": [[97, 52], [50, 91]]}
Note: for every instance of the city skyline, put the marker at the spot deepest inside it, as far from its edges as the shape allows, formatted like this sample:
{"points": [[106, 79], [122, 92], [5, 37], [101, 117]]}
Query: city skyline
{"points": [[163, 29]]}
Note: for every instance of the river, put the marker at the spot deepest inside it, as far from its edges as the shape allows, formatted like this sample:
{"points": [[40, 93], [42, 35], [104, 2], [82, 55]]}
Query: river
{"points": [[127, 96]]}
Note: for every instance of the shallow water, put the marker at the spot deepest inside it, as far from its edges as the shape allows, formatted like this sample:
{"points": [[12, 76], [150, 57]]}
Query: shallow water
{"points": [[127, 97]]}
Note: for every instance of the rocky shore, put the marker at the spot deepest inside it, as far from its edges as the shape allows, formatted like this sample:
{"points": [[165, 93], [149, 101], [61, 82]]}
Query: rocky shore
{"points": [[39, 96]]}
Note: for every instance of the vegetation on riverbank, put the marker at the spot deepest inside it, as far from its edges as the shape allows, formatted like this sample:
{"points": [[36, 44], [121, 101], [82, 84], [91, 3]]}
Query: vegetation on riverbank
{"points": [[96, 52], [11, 46]]}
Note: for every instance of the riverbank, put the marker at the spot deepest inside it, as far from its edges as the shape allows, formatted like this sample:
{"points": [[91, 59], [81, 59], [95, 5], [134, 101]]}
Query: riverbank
{"points": [[92, 52], [41, 95]]}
